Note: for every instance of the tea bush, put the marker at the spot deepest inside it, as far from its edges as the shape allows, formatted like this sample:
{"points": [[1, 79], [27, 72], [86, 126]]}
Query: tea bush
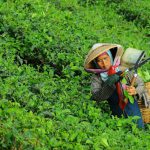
{"points": [[137, 12], [45, 95]]}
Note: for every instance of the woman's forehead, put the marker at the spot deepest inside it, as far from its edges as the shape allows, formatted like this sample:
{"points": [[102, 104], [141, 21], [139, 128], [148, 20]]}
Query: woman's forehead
{"points": [[103, 56]]}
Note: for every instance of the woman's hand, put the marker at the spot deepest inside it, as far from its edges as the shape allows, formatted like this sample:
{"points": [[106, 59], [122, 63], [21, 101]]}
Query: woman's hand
{"points": [[112, 79], [131, 90]]}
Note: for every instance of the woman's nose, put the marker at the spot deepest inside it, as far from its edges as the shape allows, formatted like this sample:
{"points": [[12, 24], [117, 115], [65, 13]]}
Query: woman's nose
{"points": [[104, 63]]}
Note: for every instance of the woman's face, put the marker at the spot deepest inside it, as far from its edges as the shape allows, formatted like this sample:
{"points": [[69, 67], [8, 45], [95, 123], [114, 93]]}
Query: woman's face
{"points": [[104, 61]]}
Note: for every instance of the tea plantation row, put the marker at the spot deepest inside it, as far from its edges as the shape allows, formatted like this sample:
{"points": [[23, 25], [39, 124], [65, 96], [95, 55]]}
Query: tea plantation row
{"points": [[45, 100]]}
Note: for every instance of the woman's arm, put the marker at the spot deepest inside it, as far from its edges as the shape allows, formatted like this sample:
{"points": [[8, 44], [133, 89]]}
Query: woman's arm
{"points": [[100, 91], [139, 85]]}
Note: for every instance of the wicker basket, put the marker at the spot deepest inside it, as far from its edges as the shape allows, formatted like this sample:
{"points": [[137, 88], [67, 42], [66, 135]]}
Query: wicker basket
{"points": [[145, 111]]}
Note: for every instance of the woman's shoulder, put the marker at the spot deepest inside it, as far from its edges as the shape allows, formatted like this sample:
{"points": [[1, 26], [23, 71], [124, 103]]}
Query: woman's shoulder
{"points": [[96, 77]]}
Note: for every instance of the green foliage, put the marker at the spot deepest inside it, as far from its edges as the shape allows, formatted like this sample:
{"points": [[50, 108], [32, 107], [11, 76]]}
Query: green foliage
{"points": [[131, 99], [126, 94], [136, 11], [145, 75], [88, 2], [45, 93]]}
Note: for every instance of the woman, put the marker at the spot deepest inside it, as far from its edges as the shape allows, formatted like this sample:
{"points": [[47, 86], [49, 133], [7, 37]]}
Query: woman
{"points": [[104, 86]]}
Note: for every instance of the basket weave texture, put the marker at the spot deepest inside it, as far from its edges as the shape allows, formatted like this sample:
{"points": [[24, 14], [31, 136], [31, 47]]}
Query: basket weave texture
{"points": [[145, 111]]}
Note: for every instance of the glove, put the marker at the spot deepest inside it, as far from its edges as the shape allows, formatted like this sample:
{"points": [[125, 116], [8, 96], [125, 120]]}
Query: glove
{"points": [[112, 79]]}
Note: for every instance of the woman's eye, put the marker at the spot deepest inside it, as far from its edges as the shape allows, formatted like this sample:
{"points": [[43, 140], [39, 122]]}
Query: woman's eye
{"points": [[106, 58], [99, 60]]}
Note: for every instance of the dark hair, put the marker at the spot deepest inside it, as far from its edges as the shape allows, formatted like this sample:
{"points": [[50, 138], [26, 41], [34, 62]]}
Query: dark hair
{"points": [[95, 64]]}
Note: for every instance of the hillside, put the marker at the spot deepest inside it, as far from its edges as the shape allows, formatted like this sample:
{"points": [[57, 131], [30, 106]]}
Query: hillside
{"points": [[45, 95]]}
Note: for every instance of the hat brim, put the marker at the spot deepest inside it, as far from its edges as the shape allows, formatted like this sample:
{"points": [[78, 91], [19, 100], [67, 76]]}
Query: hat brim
{"points": [[93, 53]]}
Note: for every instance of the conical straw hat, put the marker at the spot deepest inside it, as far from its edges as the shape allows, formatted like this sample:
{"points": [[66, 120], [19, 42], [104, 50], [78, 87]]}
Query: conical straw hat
{"points": [[98, 49]]}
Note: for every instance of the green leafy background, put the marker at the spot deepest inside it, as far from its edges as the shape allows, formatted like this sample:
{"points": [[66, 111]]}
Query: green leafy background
{"points": [[45, 100]]}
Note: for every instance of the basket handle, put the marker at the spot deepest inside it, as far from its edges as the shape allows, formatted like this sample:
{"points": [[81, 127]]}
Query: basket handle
{"points": [[133, 79]]}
